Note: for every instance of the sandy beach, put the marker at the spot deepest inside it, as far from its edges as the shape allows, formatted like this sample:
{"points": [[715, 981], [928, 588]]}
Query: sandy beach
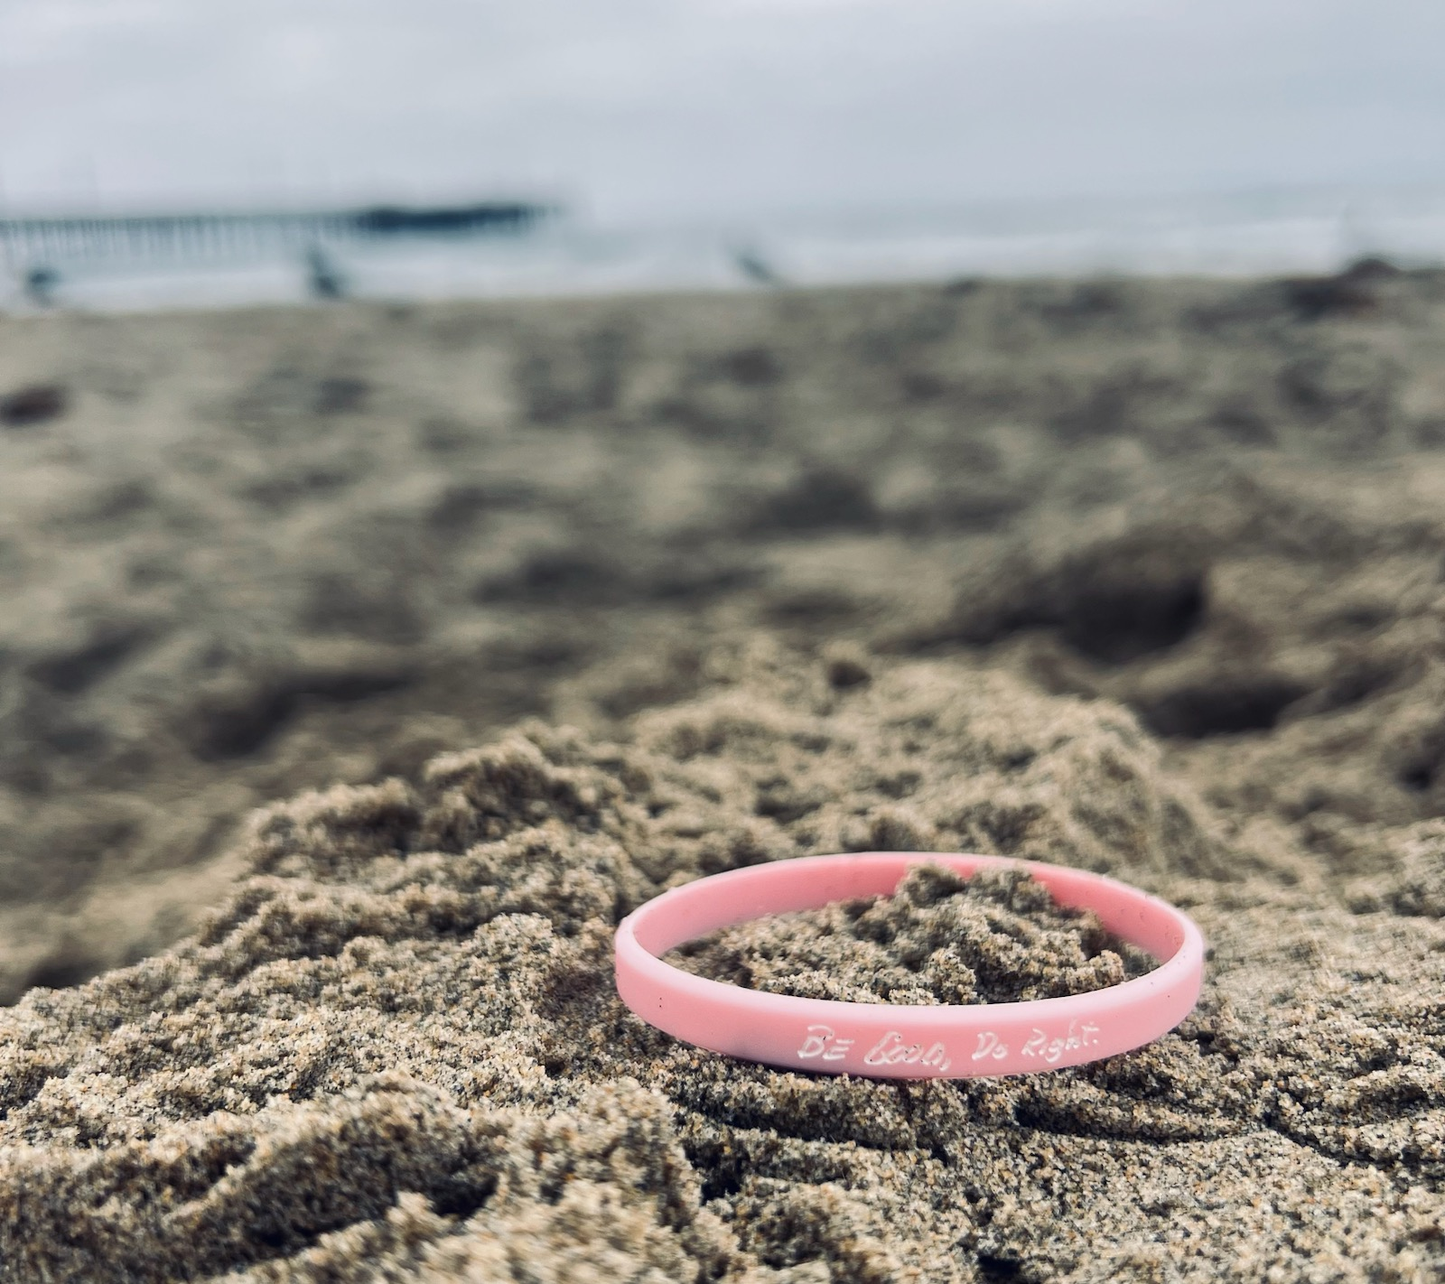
{"points": [[361, 666]]}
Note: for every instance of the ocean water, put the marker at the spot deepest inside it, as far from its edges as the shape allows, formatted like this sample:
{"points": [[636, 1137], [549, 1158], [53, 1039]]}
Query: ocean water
{"points": [[1234, 235]]}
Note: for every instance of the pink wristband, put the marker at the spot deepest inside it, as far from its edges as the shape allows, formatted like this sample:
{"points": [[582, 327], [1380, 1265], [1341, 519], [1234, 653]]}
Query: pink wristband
{"points": [[884, 1040]]}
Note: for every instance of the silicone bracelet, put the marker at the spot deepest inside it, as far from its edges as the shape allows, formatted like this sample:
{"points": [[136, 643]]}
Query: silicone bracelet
{"points": [[883, 1040]]}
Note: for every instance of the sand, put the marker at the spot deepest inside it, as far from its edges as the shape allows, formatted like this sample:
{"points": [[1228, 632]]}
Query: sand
{"points": [[510, 616], [938, 938]]}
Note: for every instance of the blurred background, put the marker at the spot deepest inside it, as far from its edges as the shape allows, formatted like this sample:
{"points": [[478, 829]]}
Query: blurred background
{"points": [[717, 143], [373, 376]]}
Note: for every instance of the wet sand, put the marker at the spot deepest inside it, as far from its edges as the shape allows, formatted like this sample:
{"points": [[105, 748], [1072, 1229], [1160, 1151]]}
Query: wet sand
{"points": [[552, 605]]}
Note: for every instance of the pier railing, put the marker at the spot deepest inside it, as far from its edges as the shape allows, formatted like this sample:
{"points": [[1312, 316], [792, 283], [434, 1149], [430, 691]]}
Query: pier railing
{"points": [[31, 242]]}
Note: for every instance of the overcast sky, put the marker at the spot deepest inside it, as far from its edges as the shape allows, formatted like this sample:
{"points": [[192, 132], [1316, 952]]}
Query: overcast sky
{"points": [[677, 108]]}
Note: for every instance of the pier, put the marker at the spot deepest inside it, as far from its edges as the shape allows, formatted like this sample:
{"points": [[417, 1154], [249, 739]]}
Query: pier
{"points": [[55, 241]]}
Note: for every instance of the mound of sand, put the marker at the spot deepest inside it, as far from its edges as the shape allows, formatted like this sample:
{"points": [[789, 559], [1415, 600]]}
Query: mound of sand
{"points": [[938, 938], [395, 1051]]}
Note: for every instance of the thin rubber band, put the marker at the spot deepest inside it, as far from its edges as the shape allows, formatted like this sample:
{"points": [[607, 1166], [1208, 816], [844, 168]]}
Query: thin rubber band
{"points": [[890, 1041]]}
